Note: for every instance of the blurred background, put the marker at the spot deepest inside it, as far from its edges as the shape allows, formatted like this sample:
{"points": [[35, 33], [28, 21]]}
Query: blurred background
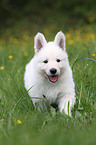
{"points": [[35, 15], [20, 20]]}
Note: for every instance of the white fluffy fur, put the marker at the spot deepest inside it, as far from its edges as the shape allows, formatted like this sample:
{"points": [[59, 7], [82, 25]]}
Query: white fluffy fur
{"points": [[60, 92], [60, 39]]}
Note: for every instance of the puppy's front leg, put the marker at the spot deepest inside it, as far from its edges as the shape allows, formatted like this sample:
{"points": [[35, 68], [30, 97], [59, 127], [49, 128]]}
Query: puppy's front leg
{"points": [[66, 103]]}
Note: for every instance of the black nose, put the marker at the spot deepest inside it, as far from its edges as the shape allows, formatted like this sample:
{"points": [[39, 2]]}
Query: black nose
{"points": [[53, 70]]}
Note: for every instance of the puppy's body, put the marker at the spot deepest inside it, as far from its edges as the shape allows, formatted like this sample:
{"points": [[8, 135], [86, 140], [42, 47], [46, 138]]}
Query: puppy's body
{"points": [[49, 74]]}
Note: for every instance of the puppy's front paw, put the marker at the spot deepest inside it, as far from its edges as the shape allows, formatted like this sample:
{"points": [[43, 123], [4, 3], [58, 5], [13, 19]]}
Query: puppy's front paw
{"points": [[66, 104]]}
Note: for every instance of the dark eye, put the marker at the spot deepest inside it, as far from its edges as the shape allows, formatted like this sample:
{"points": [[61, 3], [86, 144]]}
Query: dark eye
{"points": [[45, 61], [58, 60]]}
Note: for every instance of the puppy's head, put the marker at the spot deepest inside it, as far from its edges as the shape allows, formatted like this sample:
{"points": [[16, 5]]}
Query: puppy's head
{"points": [[51, 58]]}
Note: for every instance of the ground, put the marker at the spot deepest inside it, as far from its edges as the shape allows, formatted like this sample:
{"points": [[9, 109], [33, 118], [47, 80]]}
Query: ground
{"points": [[20, 123]]}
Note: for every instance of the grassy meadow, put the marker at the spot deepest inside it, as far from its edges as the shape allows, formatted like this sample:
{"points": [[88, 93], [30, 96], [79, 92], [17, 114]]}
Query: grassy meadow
{"points": [[19, 122]]}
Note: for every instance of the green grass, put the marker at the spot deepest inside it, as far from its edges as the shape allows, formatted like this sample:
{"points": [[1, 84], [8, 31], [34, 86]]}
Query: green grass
{"points": [[47, 127]]}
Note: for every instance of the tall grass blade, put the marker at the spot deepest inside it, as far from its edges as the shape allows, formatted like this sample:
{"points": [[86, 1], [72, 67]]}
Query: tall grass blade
{"points": [[81, 58]]}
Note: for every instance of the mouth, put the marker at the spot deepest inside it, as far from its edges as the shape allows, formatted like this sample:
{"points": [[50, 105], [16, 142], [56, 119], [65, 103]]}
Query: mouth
{"points": [[53, 78]]}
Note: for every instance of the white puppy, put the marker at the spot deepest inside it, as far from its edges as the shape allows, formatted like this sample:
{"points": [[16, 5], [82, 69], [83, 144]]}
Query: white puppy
{"points": [[49, 75]]}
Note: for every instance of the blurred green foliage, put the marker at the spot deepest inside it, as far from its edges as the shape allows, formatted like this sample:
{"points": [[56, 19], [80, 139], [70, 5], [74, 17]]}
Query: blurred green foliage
{"points": [[16, 9]]}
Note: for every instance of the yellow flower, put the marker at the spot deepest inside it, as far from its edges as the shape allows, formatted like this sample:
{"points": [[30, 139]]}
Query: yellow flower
{"points": [[68, 35], [77, 38], [46, 31], [19, 122], [26, 37], [10, 56], [93, 54], [77, 32], [70, 42], [25, 53], [71, 30], [91, 19], [2, 67]]}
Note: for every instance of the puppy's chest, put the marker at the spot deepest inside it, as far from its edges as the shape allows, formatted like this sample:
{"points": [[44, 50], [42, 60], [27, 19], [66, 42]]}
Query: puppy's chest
{"points": [[52, 95]]}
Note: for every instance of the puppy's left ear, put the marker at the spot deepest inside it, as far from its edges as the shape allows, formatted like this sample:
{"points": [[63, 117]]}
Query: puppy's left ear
{"points": [[39, 42], [60, 40]]}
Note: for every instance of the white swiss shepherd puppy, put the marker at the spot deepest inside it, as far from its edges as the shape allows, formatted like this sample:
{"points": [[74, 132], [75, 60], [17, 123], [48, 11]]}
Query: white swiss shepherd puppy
{"points": [[49, 74]]}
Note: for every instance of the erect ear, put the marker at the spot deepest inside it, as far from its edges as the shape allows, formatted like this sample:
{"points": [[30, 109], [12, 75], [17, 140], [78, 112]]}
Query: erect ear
{"points": [[60, 40], [39, 42]]}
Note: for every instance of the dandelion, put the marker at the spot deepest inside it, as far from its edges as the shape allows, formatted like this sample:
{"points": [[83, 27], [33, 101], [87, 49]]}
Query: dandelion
{"points": [[77, 32], [25, 53], [70, 42], [93, 54], [52, 27], [19, 122], [15, 40], [46, 31], [2, 67], [77, 38], [92, 35], [91, 19], [26, 37], [10, 56], [68, 35], [71, 30]]}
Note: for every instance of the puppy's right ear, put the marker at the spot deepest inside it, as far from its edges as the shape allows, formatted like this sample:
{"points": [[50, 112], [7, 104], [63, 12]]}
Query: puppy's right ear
{"points": [[39, 42], [60, 40]]}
